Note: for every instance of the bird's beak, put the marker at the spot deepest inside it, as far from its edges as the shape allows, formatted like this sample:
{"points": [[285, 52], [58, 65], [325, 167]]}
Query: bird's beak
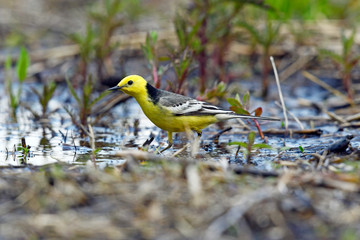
{"points": [[115, 88]]}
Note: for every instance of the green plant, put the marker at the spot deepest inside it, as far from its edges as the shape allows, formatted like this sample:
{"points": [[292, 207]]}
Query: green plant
{"points": [[44, 99], [112, 15], [310, 10], [86, 45], [206, 30], [248, 147], [90, 133], [301, 149], [98, 44], [345, 61], [181, 65], [215, 94], [191, 28], [15, 38], [150, 52], [222, 34], [181, 57], [265, 37], [25, 151], [21, 70], [85, 102], [242, 107]]}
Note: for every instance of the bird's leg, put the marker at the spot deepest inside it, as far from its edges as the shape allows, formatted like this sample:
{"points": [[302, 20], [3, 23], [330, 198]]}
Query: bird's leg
{"points": [[199, 133], [170, 140], [196, 146]]}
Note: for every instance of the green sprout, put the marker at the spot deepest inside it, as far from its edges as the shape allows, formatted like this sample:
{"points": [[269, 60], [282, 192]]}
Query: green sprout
{"points": [[86, 45], [151, 56], [106, 20], [206, 31], [98, 43], [248, 147], [345, 61], [44, 99], [25, 151], [181, 57], [21, 70], [242, 107], [181, 65], [218, 92], [301, 149], [85, 102], [265, 37]]}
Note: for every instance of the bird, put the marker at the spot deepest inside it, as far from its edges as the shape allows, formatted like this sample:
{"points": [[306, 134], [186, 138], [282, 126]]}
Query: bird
{"points": [[173, 112]]}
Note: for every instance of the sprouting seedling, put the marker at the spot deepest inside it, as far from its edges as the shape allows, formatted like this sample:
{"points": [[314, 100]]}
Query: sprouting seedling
{"points": [[221, 33], [86, 45], [345, 61], [98, 42], [265, 37], [150, 51], [85, 102], [191, 31], [248, 147], [242, 107], [21, 70], [218, 92], [25, 151], [215, 94], [22, 64], [204, 33], [301, 149], [44, 99], [95, 150], [181, 57], [106, 21], [181, 66], [207, 31]]}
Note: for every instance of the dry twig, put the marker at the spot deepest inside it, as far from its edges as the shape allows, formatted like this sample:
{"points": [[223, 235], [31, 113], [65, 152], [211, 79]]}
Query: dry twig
{"points": [[280, 92], [296, 66], [326, 86], [293, 116]]}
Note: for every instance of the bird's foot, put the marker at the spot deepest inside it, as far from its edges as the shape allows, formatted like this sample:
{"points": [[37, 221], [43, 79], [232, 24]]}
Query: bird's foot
{"points": [[168, 146]]}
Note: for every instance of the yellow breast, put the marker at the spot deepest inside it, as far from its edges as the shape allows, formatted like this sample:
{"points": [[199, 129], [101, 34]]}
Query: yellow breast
{"points": [[165, 120]]}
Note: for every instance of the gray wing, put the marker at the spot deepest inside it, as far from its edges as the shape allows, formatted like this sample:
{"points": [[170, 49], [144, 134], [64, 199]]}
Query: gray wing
{"points": [[181, 105]]}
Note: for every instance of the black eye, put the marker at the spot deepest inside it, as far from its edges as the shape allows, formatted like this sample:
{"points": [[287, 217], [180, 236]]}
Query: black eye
{"points": [[130, 82]]}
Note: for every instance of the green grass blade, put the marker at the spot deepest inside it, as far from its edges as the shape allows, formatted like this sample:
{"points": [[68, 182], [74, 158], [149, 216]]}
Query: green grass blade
{"points": [[8, 64], [334, 56], [234, 102], [72, 90], [262, 145], [101, 96], [251, 138], [241, 144], [22, 64]]}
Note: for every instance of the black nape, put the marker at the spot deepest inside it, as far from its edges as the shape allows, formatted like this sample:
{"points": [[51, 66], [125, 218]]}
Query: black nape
{"points": [[154, 93]]}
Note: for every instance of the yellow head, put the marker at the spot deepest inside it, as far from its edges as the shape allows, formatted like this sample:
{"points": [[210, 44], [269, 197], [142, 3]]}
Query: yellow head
{"points": [[133, 85]]}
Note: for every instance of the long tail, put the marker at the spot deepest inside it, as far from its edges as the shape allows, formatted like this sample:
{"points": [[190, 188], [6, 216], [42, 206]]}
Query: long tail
{"points": [[225, 116]]}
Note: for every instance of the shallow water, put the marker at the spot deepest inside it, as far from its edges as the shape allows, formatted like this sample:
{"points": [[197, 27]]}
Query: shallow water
{"points": [[62, 142]]}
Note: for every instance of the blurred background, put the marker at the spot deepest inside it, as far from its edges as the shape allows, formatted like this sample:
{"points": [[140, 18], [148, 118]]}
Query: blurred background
{"points": [[208, 41]]}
